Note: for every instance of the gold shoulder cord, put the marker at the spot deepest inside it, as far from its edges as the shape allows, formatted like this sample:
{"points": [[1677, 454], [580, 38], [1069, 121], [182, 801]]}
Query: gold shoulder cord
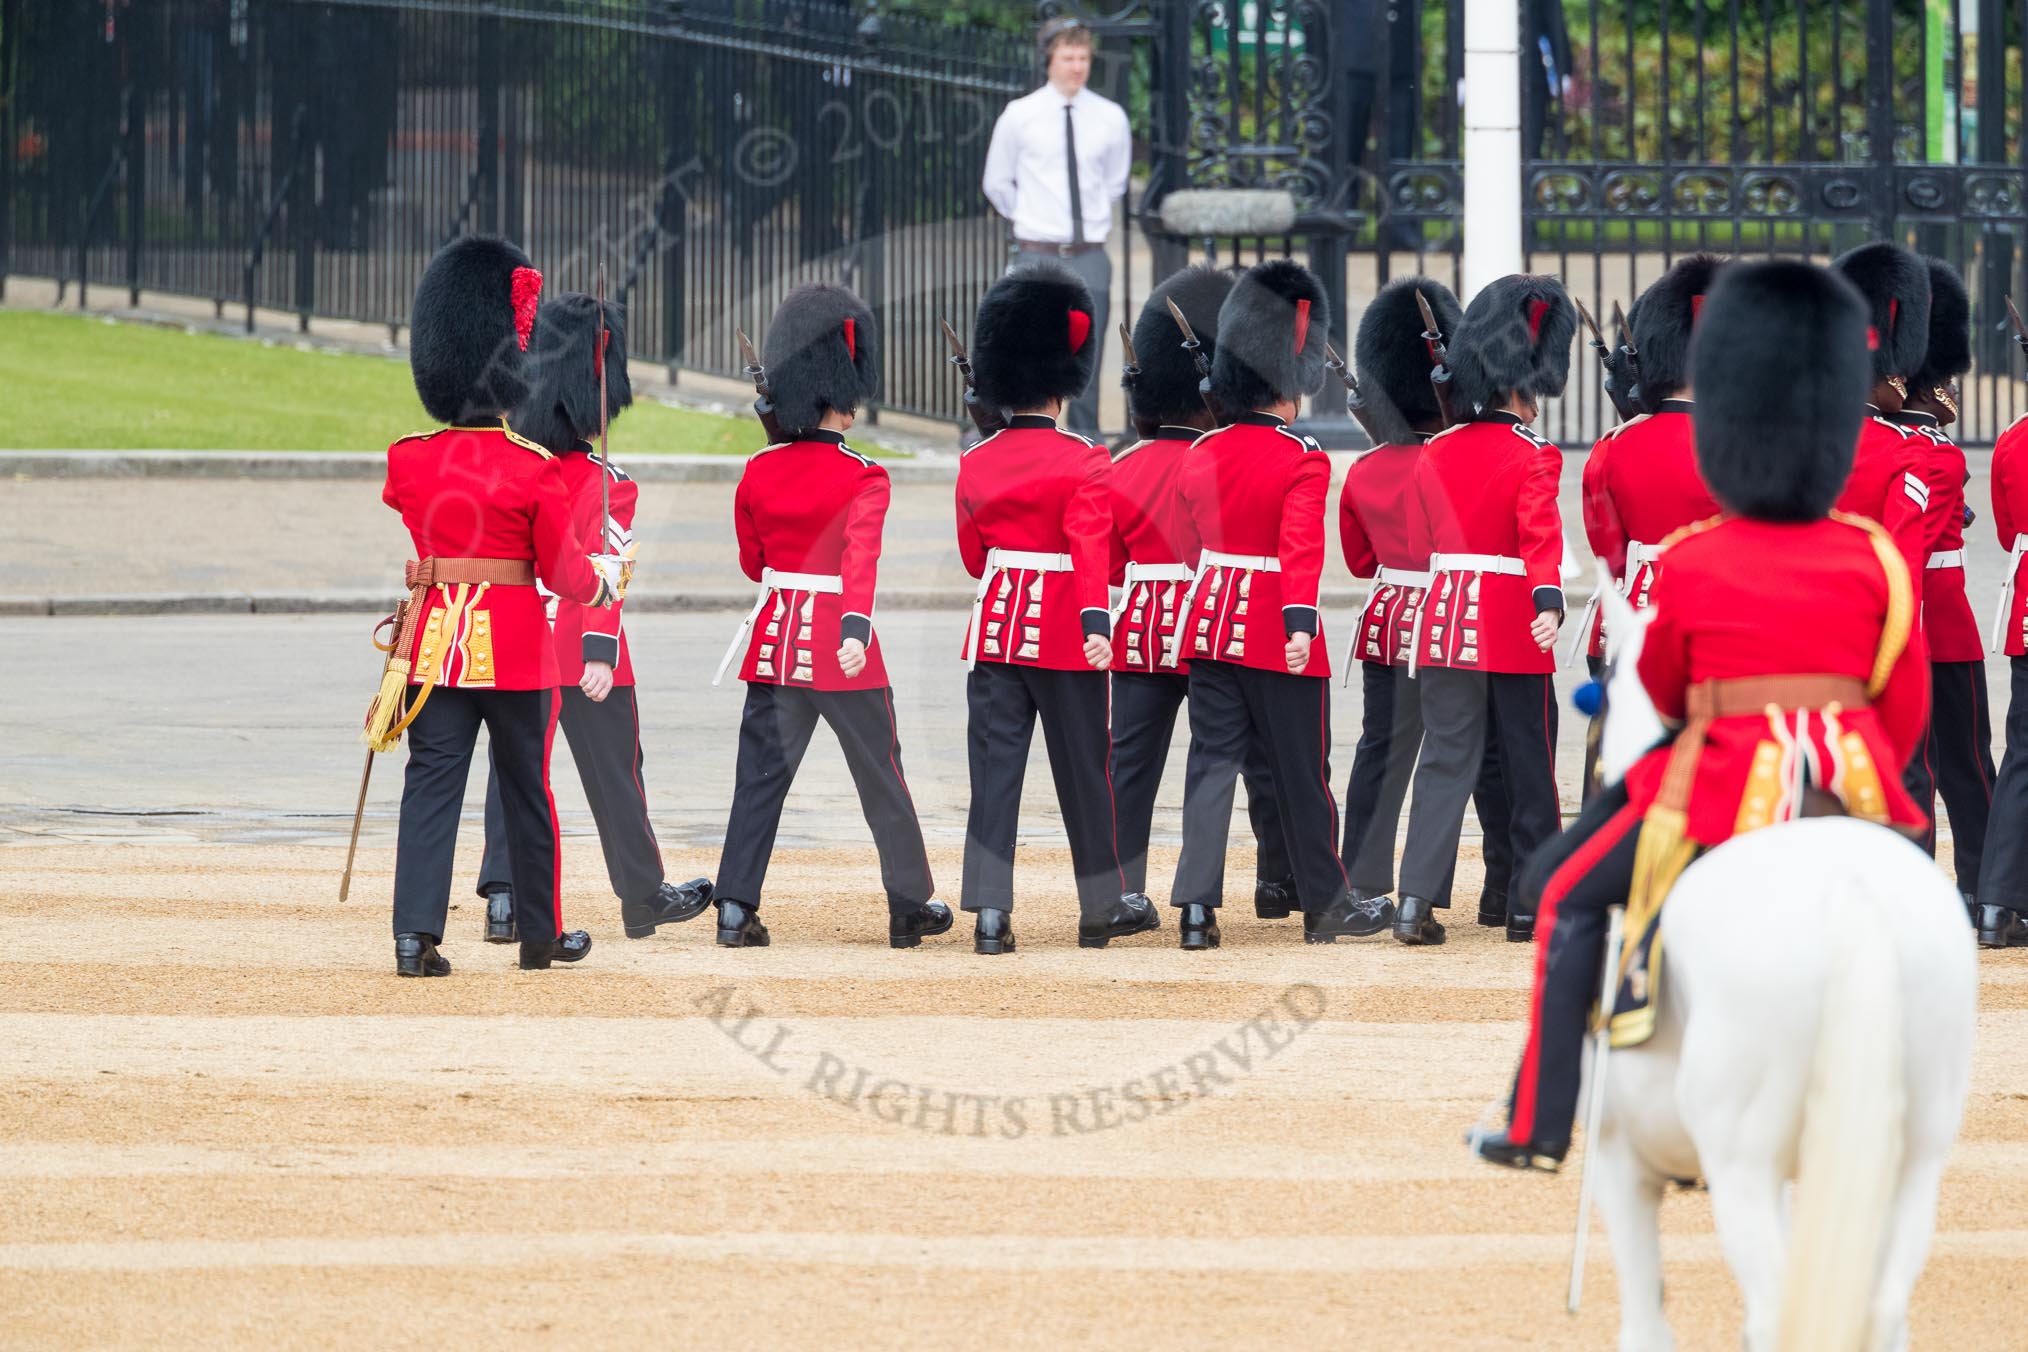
{"points": [[1900, 621]]}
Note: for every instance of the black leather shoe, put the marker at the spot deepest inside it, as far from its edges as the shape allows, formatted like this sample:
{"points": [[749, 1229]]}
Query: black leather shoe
{"points": [[1498, 1149], [1352, 917], [1998, 926], [1131, 914], [739, 926], [670, 905], [1492, 911], [500, 916], [570, 946], [993, 932], [1520, 929], [1199, 927], [1275, 899], [1416, 923], [416, 955], [908, 928]]}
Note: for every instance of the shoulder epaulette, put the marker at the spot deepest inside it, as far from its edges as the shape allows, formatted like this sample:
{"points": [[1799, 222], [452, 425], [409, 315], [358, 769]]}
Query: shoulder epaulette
{"points": [[437, 431], [524, 443], [1903, 432], [1438, 436], [860, 456], [1694, 528], [980, 442], [1128, 450], [1634, 421], [1307, 443], [1527, 433]]}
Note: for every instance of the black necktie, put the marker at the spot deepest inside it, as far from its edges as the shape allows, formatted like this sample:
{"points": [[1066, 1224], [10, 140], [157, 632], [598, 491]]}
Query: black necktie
{"points": [[1076, 193]]}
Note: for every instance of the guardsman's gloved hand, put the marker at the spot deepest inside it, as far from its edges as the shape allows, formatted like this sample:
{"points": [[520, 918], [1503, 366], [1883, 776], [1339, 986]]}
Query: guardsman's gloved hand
{"points": [[614, 572]]}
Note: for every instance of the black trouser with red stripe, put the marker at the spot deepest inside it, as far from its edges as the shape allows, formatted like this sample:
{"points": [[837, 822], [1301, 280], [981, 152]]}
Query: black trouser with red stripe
{"points": [[1569, 885], [2003, 873], [1461, 711], [520, 726], [1956, 759], [605, 741], [1144, 720], [774, 732], [1390, 736], [1235, 710], [1005, 700]]}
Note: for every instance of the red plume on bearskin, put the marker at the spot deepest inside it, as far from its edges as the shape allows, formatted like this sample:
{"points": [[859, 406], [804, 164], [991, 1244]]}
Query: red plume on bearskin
{"points": [[1515, 337], [527, 294], [1015, 361], [1393, 363], [466, 336], [1662, 322], [1263, 355], [562, 408], [823, 355], [1895, 286]]}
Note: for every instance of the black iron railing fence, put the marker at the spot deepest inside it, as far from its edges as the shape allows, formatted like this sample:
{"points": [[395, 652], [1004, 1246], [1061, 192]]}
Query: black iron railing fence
{"points": [[710, 153]]}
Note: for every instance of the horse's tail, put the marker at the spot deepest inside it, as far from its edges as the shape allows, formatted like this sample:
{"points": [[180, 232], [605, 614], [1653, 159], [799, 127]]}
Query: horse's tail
{"points": [[1849, 1160]]}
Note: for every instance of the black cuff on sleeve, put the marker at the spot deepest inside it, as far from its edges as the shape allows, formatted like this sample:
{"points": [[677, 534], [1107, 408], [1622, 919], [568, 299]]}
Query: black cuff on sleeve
{"points": [[856, 626], [602, 648], [1098, 624], [1548, 598], [1299, 620]]}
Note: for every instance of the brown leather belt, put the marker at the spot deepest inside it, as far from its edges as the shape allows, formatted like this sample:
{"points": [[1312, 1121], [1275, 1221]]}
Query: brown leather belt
{"points": [[499, 572], [1043, 246], [1742, 695]]}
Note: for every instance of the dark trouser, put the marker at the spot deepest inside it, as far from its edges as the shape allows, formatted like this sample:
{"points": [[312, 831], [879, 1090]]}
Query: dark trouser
{"points": [[605, 741], [1390, 735], [1144, 718], [1569, 885], [774, 732], [1460, 710], [1593, 728], [1956, 758], [2003, 873], [1234, 709], [1095, 268], [1005, 699], [520, 725]]}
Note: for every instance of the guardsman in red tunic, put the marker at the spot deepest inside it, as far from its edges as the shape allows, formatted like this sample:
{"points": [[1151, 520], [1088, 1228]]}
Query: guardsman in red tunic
{"points": [[2002, 915], [1254, 499], [594, 667], [490, 513], [1779, 644], [809, 515], [1150, 677], [1485, 638], [1034, 525], [1956, 756], [1385, 538], [1890, 470]]}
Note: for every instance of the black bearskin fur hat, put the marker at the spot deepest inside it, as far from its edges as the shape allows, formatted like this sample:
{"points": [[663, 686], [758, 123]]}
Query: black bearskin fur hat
{"points": [[1033, 340], [822, 355], [469, 327], [562, 408], [1515, 336], [1895, 286], [1271, 335], [1166, 391], [1662, 321], [1949, 354], [1392, 363], [1781, 370]]}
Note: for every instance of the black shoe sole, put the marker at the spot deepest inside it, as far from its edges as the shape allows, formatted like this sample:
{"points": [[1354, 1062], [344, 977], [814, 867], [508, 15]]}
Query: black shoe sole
{"points": [[1384, 921], [739, 938], [1196, 940], [989, 947], [1491, 921], [1422, 936], [417, 969], [501, 934], [1520, 936], [1272, 912], [915, 940], [1988, 939], [641, 931], [1153, 922]]}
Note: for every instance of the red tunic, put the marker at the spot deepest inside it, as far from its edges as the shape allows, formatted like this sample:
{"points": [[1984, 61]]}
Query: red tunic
{"points": [[584, 633], [485, 493], [1038, 491], [1641, 485], [1147, 511], [1382, 531], [1949, 628], [811, 507], [1760, 598], [2010, 522], [1890, 485], [1255, 490], [1488, 489]]}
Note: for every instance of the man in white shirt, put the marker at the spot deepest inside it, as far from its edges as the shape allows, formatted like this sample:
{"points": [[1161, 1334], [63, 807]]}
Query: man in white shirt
{"points": [[1058, 162]]}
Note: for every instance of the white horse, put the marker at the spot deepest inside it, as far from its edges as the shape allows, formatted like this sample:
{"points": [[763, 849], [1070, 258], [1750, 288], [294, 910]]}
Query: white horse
{"points": [[1815, 1025]]}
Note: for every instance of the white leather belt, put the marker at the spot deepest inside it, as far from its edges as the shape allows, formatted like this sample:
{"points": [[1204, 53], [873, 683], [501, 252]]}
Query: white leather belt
{"points": [[1206, 561], [1383, 577], [1947, 558], [1994, 639], [1478, 563], [1006, 560], [1137, 573], [1639, 554], [828, 584]]}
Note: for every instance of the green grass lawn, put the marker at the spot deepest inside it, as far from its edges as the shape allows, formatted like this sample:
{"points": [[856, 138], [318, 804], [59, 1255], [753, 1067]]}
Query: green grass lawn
{"points": [[79, 382]]}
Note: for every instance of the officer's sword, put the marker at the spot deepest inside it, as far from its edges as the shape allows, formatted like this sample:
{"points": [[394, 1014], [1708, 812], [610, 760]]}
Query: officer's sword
{"points": [[1621, 403], [1439, 358], [605, 460], [1197, 357], [1594, 1108], [987, 420], [358, 811], [764, 405]]}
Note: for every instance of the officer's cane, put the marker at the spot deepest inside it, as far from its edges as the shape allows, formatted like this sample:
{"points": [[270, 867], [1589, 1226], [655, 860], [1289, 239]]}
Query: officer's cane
{"points": [[1594, 1108]]}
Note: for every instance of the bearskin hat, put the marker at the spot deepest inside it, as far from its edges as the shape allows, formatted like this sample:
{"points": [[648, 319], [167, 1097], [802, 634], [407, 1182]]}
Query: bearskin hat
{"points": [[1033, 341], [469, 328], [562, 407], [1895, 286], [822, 355], [1781, 369], [1271, 335], [1167, 390], [1515, 336], [1393, 364], [1662, 320], [1949, 354]]}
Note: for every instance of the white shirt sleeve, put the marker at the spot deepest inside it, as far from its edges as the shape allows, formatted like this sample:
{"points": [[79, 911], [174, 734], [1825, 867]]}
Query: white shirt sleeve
{"points": [[998, 179]]}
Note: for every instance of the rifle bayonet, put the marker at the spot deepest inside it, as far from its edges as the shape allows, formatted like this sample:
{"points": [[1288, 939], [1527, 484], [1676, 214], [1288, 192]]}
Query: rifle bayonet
{"points": [[987, 420], [764, 404]]}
